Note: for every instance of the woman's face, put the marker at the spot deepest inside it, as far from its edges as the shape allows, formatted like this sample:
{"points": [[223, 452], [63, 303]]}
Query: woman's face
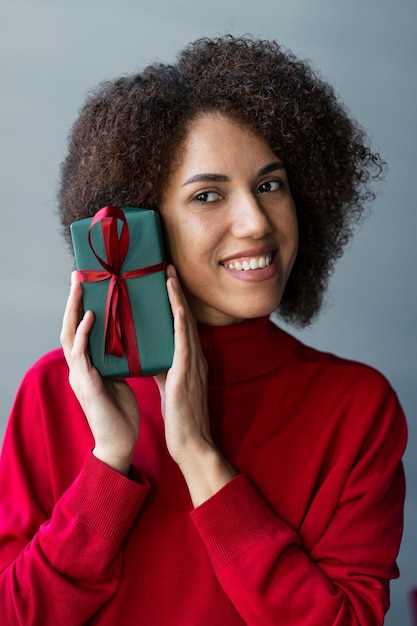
{"points": [[230, 221]]}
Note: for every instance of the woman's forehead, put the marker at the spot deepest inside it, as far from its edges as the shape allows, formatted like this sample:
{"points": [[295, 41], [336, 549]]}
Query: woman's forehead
{"points": [[216, 141]]}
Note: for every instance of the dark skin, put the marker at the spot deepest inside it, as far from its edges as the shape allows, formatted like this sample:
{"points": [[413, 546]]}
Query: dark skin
{"points": [[112, 411], [222, 209]]}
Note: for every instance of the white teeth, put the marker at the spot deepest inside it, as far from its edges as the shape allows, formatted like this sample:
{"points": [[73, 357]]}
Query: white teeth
{"points": [[253, 264]]}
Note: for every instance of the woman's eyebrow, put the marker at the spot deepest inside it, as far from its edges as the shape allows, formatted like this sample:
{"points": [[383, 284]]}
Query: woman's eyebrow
{"points": [[271, 167], [222, 178], [207, 178]]}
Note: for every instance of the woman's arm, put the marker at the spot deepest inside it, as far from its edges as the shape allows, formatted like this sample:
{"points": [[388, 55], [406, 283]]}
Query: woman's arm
{"points": [[61, 553], [109, 405], [263, 565], [184, 405], [270, 574], [59, 566]]}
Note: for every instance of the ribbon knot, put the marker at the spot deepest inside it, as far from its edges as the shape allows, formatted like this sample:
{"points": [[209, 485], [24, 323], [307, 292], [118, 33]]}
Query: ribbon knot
{"points": [[119, 329]]}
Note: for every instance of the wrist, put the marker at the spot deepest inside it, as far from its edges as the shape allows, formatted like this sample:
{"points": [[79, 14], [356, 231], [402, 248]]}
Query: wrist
{"points": [[120, 464], [205, 471]]}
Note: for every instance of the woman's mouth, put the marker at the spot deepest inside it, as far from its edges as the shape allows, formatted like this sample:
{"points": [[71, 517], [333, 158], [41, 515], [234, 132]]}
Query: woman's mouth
{"points": [[249, 262]]}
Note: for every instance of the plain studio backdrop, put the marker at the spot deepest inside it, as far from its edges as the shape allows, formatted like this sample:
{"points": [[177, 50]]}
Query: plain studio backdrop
{"points": [[52, 52]]}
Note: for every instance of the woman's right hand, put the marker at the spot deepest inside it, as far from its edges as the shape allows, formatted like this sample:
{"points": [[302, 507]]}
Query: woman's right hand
{"points": [[109, 404]]}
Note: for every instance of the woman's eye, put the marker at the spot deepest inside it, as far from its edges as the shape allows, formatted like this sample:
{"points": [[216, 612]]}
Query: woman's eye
{"points": [[270, 185], [207, 196]]}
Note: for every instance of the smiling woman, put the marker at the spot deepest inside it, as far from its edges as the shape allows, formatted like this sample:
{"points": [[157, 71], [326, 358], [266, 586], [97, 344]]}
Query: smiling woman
{"points": [[260, 85], [258, 481], [227, 213]]}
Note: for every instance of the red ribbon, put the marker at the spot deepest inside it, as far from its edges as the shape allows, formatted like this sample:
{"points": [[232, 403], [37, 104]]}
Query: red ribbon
{"points": [[119, 328]]}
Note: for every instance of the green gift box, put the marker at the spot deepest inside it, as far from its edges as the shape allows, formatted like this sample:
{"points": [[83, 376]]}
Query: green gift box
{"points": [[119, 254]]}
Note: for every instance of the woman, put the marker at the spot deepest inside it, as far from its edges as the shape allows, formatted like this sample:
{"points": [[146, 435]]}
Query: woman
{"points": [[269, 488]]}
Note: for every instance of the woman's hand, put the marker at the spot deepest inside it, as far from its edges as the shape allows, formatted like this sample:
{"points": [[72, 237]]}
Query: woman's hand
{"points": [[109, 405], [184, 405]]}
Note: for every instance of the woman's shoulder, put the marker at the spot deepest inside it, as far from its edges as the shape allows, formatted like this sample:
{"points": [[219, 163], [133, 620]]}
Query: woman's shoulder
{"points": [[332, 372], [346, 392], [51, 365], [53, 358], [44, 386]]}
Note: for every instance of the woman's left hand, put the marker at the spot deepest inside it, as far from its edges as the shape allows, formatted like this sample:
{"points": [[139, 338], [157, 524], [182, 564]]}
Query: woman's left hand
{"points": [[185, 407]]}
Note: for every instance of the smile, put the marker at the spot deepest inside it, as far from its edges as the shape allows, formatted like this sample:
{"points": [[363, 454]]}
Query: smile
{"points": [[249, 263]]}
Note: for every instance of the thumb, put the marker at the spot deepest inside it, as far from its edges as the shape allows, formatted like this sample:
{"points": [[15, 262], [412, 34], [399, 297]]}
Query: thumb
{"points": [[160, 381]]}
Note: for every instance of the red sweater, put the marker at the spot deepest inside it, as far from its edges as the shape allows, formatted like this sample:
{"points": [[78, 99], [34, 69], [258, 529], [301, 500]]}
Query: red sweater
{"points": [[307, 533]]}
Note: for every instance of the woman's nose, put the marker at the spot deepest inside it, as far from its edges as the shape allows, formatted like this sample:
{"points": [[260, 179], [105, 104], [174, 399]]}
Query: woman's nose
{"points": [[250, 218]]}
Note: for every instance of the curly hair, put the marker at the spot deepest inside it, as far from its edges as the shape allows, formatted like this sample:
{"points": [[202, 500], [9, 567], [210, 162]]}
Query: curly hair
{"points": [[128, 136]]}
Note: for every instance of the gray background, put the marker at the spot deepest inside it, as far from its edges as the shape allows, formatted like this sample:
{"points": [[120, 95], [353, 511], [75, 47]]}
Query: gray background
{"points": [[52, 52]]}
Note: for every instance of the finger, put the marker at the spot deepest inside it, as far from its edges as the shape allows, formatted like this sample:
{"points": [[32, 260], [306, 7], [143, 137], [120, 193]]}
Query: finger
{"points": [[72, 316], [80, 343], [175, 291], [176, 297], [190, 321], [179, 305], [183, 351], [160, 380], [187, 352], [170, 270]]}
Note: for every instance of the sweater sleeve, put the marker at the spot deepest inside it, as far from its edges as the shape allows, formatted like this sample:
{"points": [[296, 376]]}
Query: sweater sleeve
{"points": [[272, 574], [59, 561]]}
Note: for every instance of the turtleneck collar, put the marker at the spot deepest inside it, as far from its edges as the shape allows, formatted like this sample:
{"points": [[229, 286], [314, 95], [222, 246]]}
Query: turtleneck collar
{"points": [[245, 350]]}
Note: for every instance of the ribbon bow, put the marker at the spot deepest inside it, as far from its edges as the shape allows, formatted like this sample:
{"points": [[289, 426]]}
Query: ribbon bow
{"points": [[119, 329]]}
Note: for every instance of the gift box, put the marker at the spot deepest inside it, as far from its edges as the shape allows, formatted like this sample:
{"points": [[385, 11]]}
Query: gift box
{"points": [[119, 254]]}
